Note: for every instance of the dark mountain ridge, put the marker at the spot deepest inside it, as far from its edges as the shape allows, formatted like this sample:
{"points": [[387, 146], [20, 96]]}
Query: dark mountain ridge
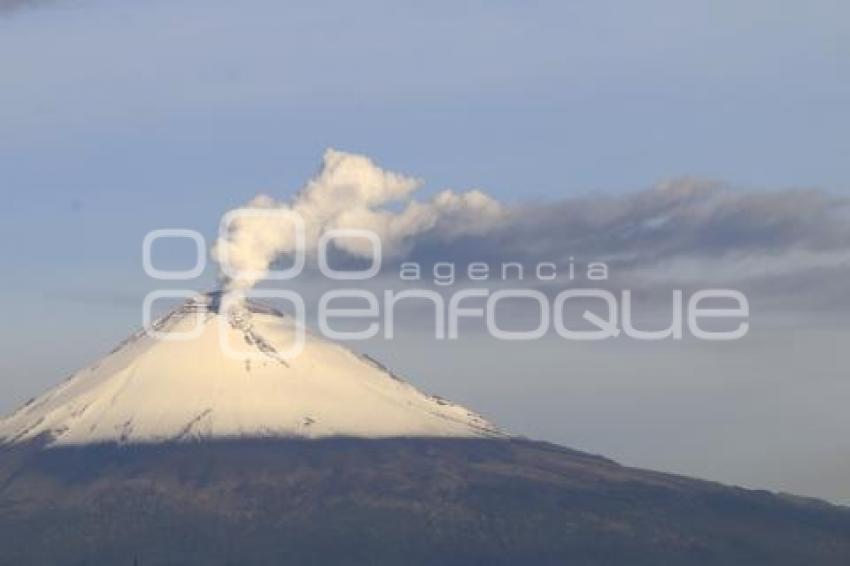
{"points": [[389, 501]]}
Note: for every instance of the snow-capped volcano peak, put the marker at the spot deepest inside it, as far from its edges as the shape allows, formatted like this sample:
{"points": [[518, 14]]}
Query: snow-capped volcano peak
{"points": [[227, 379]]}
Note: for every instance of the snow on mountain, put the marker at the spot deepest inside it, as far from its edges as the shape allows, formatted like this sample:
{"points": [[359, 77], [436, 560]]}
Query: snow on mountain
{"points": [[153, 390]]}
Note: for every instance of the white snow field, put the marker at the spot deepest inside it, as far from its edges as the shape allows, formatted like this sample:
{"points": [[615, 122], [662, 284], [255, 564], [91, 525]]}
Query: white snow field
{"points": [[153, 390]]}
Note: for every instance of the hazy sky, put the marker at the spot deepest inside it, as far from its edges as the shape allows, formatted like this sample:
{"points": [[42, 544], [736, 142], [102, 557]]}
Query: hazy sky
{"points": [[119, 117]]}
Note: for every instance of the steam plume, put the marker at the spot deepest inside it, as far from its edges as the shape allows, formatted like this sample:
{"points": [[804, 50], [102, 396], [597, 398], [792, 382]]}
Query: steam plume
{"points": [[349, 191]]}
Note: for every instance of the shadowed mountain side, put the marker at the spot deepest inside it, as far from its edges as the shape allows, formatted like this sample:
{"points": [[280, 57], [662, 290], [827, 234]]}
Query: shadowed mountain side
{"points": [[388, 501]]}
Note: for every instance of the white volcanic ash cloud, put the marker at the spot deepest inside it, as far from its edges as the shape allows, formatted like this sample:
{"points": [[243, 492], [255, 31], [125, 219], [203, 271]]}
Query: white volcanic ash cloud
{"points": [[793, 242], [349, 192]]}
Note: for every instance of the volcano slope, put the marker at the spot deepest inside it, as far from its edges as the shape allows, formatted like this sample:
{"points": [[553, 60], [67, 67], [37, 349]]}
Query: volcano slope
{"points": [[388, 501], [216, 449]]}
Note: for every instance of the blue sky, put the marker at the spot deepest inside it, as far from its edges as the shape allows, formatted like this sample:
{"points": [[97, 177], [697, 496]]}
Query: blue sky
{"points": [[116, 117], [119, 117]]}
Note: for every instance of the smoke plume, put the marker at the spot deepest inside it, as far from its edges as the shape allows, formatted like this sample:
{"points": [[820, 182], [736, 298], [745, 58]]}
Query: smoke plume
{"points": [[348, 192]]}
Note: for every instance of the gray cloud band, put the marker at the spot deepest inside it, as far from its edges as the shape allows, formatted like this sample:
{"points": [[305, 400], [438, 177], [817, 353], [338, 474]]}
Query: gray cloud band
{"points": [[684, 232], [697, 239]]}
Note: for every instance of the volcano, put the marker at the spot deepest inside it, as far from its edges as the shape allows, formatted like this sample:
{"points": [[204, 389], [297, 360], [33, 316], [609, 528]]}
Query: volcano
{"points": [[223, 375], [215, 448]]}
